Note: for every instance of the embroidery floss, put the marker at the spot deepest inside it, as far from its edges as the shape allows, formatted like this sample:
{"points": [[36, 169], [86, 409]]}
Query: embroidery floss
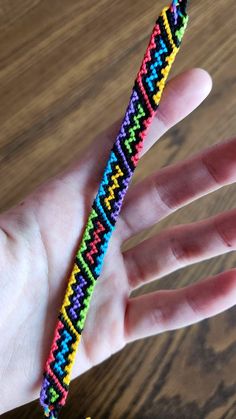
{"points": [[124, 156]]}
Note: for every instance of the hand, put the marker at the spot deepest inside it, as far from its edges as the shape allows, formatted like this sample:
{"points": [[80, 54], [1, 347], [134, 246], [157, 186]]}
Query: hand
{"points": [[39, 238]]}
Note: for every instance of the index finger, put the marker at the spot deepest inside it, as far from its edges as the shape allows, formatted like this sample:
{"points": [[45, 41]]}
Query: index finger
{"points": [[182, 95]]}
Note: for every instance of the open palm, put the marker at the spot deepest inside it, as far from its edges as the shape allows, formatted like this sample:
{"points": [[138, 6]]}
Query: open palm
{"points": [[39, 238]]}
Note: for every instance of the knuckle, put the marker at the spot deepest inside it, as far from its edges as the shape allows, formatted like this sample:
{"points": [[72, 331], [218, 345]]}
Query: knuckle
{"points": [[210, 169], [193, 304], [136, 276], [161, 194], [221, 231], [178, 248], [158, 318], [174, 187]]}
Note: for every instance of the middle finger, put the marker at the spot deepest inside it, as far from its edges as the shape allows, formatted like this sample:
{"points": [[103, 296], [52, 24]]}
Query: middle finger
{"points": [[171, 188]]}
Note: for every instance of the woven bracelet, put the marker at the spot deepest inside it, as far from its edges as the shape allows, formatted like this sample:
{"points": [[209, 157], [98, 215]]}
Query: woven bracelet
{"points": [[124, 156]]}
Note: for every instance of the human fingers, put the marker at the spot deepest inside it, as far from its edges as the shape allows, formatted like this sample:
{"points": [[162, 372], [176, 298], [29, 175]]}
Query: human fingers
{"points": [[173, 187], [160, 311], [182, 95], [180, 246]]}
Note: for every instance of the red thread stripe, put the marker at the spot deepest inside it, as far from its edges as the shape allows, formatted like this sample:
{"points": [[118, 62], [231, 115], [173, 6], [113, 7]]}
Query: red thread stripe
{"points": [[143, 69], [95, 242]]}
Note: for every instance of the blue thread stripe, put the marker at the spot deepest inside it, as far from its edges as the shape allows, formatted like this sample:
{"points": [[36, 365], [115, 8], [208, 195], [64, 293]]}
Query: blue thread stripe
{"points": [[158, 63], [60, 356]]}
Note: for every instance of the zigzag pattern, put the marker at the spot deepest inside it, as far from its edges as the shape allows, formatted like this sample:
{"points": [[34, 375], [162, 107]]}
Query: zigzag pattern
{"points": [[123, 159], [97, 240]]}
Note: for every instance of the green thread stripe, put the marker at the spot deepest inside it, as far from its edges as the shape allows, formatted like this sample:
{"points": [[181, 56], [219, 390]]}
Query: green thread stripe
{"points": [[86, 268], [134, 128], [86, 302], [54, 395], [89, 226], [180, 32]]}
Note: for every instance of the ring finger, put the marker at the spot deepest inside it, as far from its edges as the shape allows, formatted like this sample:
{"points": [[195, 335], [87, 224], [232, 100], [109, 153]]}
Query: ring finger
{"points": [[160, 311], [180, 246]]}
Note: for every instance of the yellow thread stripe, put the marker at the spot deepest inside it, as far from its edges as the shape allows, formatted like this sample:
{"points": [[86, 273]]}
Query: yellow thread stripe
{"points": [[170, 59], [69, 290], [115, 185], [63, 312], [71, 359], [167, 27], [165, 71]]}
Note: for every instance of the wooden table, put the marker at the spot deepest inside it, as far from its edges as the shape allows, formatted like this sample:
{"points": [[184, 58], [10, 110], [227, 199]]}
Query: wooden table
{"points": [[66, 71]]}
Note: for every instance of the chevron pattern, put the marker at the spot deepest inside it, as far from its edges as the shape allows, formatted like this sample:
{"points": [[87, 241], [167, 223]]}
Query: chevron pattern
{"points": [[124, 156]]}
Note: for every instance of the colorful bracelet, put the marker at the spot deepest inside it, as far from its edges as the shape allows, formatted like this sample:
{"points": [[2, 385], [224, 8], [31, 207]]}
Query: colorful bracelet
{"points": [[124, 156]]}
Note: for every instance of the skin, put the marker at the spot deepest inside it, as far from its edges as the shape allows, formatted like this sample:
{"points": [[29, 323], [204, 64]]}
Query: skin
{"points": [[39, 237]]}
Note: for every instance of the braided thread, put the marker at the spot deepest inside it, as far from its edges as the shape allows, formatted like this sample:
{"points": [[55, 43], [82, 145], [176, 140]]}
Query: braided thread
{"points": [[124, 156]]}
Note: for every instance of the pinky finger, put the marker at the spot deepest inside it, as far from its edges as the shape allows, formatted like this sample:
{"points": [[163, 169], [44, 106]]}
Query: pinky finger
{"points": [[160, 311]]}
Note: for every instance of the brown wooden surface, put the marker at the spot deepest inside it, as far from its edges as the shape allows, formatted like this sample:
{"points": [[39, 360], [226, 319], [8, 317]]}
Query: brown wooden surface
{"points": [[66, 71]]}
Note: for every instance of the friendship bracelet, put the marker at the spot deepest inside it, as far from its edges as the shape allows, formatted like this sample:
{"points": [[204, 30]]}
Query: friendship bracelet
{"points": [[123, 159]]}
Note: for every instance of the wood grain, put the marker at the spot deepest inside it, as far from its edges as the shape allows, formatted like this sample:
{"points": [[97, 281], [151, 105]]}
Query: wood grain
{"points": [[66, 72]]}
